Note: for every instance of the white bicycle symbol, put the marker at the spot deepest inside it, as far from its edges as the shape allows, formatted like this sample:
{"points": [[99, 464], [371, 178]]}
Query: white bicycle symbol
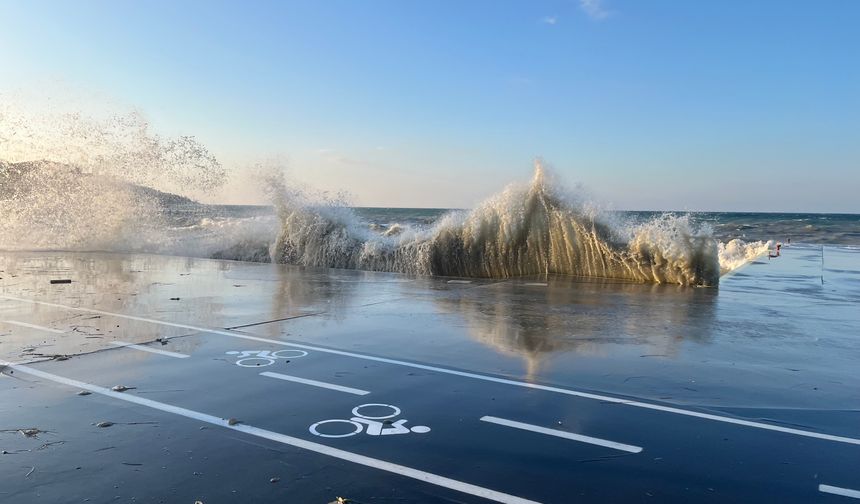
{"points": [[256, 358], [374, 427]]}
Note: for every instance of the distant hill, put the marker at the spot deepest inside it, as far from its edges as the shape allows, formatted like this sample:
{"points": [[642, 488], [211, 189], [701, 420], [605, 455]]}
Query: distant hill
{"points": [[12, 175]]}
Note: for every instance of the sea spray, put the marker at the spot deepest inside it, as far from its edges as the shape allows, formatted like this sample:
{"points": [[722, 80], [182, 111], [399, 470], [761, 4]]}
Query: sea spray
{"points": [[52, 206], [119, 145], [527, 229], [69, 181], [735, 253], [47, 205]]}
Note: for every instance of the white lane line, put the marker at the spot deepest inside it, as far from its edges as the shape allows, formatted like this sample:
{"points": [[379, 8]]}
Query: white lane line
{"points": [[145, 348], [315, 383], [535, 284], [33, 326], [459, 281], [562, 434], [844, 492], [433, 479], [466, 374]]}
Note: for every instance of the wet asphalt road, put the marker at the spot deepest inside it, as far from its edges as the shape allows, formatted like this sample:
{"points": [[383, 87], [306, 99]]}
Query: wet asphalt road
{"points": [[303, 413]]}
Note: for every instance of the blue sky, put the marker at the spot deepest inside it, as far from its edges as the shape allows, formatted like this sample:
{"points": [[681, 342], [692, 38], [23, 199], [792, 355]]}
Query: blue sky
{"points": [[729, 105]]}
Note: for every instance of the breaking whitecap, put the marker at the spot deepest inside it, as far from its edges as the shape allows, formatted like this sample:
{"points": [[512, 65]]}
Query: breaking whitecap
{"points": [[110, 186]]}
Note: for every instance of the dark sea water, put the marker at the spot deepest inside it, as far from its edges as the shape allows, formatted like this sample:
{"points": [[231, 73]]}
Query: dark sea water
{"points": [[816, 228], [528, 229], [832, 229]]}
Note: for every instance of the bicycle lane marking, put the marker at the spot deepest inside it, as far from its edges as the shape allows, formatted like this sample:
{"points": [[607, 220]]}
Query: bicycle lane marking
{"points": [[370, 424], [417, 474], [262, 358], [843, 492], [314, 383], [562, 434], [32, 326], [144, 348], [466, 374]]}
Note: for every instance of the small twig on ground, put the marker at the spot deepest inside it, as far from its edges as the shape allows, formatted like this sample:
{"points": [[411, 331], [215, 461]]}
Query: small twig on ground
{"points": [[105, 424], [606, 457], [46, 445], [30, 432]]}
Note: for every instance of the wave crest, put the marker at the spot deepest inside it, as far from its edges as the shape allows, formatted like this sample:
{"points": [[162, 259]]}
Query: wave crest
{"points": [[531, 229], [737, 252]]}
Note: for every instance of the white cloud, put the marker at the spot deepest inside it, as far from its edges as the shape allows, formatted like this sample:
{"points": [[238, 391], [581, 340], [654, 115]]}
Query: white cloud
{"points": [[550, 20], [594, 9]]}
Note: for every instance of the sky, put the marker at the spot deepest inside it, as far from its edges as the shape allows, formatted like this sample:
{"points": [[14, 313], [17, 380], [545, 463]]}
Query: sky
{"points": [[651, 105]]}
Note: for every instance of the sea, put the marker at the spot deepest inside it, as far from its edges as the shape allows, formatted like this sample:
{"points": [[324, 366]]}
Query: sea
{"points": [[809, 228], [76, 182], [533, 227]]}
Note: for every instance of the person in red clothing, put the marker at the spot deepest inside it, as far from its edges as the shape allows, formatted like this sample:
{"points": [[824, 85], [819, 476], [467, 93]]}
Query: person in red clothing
{"points": [[776, 254]]}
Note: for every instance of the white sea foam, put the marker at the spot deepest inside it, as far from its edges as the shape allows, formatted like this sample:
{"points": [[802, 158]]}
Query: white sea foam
{"points": [[70, 181], [527, 229], [91, 190], [736, 253], [51, 206]]}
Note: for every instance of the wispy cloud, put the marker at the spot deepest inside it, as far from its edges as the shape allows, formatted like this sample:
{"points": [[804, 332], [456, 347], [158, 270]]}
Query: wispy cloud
{"points": [[594, 9], [550, 20]]}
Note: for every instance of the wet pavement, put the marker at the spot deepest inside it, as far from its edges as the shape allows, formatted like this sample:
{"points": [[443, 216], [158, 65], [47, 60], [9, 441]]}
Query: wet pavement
{"points": [[270, 383]]}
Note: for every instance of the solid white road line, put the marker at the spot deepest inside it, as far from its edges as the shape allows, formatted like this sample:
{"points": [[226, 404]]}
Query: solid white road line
{"points": [[408, 472], [149, 349], [562, 434], [315, 383], [844, 492], [466, 374], [33, 326]]}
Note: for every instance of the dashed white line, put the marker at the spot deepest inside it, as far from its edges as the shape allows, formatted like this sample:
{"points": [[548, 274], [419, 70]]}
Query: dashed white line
{"points": [[844, 492], [459, 281], [33, 326], [535, 284], [145, 348], [562, 434], [305, 381], [466, 374], [433, 479]]}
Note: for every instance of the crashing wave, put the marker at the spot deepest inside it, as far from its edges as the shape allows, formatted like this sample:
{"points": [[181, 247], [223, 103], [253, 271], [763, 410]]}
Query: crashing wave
{"points": [[94, 193], [72, 181], [737, 252], [47, 205], [531, 229]]}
